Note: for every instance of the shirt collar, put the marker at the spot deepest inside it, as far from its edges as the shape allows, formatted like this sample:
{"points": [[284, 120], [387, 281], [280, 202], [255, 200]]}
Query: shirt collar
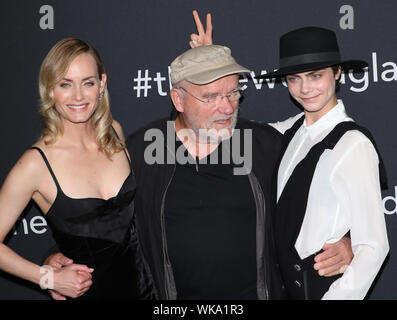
{"points": [[336, 115]]}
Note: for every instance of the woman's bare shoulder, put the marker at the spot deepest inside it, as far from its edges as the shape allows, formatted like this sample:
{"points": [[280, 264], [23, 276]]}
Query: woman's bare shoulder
{"points": [[119, 130], [29, 168]]}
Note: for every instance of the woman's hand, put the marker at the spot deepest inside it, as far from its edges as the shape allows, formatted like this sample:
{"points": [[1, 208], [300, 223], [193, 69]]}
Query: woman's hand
{"points": [[203, 38], [72, 281], [58, 260]]}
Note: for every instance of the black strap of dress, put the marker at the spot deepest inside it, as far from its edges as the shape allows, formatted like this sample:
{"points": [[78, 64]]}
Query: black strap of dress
{"points": [[48, 166], [124, 149]]}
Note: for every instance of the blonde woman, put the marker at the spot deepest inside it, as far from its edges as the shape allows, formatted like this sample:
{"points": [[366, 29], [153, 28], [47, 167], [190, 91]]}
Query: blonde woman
{"points": [[79, 174]]}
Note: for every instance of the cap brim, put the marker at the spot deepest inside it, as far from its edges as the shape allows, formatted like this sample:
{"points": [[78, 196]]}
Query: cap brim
{"points": [[355, 65], [208, 76]]}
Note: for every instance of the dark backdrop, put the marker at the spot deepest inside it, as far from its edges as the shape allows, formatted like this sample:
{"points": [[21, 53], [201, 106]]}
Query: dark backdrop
{"points": [[139, 39]]}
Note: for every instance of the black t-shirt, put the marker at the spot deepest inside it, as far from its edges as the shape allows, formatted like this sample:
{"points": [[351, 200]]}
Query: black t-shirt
{"points": [[210, 220]]}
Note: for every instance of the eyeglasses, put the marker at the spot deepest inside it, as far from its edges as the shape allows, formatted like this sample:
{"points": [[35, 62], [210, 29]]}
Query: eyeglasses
{"points": [[233, 95]]}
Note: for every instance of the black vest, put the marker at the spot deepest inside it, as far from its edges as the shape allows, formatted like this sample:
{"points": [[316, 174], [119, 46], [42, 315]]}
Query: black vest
{"points": [[300, 279]]}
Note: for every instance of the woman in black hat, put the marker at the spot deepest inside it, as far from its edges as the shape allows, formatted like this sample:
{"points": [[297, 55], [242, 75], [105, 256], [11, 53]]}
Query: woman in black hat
{"points": [[329, 176]]}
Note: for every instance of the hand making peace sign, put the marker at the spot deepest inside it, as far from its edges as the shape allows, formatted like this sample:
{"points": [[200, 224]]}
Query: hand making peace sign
{"points": [[204, 38]]}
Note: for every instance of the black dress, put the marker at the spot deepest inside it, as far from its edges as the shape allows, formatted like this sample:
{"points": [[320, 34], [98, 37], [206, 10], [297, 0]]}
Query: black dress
{"points": [[100, 234]]}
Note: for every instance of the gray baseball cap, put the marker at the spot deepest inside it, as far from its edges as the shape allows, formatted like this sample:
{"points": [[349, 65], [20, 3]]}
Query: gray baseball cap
{"points": [[204, 64]]}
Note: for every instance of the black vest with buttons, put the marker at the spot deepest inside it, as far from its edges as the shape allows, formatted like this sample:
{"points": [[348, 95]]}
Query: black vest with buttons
{"points": [[300, 279]]}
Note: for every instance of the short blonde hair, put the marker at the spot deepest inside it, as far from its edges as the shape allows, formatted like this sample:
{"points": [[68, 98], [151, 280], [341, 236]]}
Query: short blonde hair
{"points": [[52, 70]]}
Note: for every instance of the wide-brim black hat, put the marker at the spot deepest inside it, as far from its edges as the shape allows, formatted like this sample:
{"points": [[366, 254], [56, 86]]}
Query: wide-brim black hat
{"points": [[310, 48]]}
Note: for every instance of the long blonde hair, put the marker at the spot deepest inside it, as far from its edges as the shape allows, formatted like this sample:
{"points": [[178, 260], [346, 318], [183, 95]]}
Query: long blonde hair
{"points": [[52, 70]]}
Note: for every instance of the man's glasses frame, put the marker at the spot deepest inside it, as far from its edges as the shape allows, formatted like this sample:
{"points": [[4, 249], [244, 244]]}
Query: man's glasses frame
{"points": [[232, 96]]}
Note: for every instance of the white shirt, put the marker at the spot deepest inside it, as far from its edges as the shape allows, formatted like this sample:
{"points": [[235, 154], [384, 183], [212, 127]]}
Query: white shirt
{"points": [[344, 195]]}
